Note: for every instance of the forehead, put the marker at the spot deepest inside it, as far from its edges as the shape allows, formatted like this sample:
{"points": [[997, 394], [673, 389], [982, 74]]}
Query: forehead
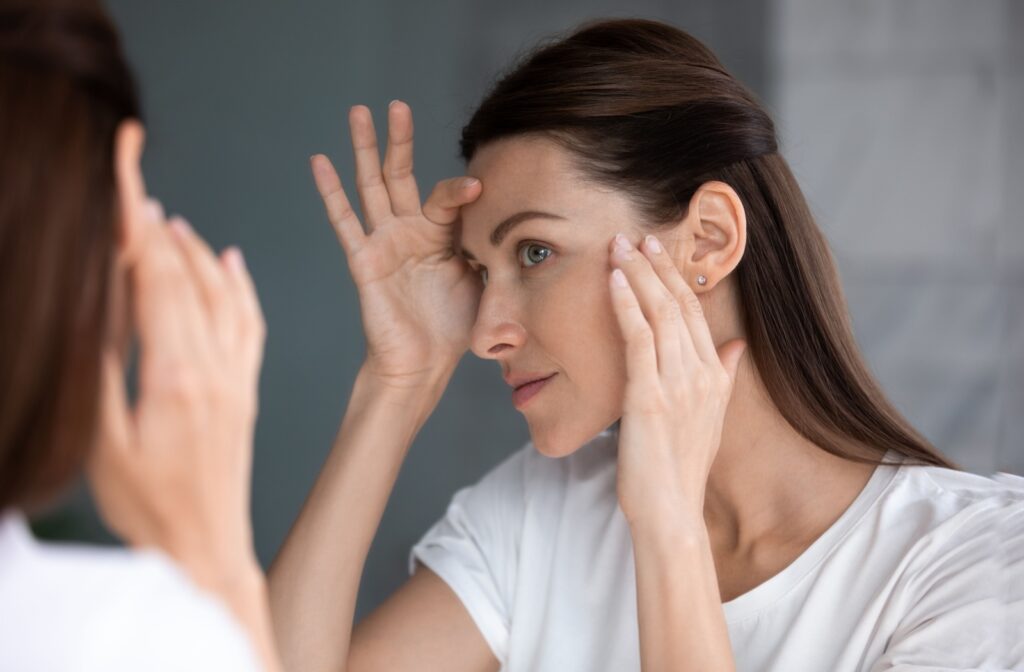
{"points": [[523, 173]]}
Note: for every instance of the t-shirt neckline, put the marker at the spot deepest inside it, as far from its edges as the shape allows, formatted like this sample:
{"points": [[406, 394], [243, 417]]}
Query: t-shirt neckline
{"points": [[770, 591]]}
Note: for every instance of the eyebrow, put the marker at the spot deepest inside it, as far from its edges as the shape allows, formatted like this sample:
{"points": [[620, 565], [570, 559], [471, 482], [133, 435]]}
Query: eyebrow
{"points": [[509, 223]]}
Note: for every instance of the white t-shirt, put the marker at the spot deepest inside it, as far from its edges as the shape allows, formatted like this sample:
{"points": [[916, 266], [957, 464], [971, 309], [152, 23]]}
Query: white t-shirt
{"points": [[924, 571], [79, 608]]}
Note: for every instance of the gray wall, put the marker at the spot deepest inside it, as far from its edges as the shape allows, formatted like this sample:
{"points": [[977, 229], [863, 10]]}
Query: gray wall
{"points": [[239, 94], [904, 122]]}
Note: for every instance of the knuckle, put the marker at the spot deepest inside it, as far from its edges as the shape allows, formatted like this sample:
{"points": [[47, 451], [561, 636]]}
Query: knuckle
{"points": [[399, 172], [668, 310], [179, 381], [373, 179], [702, 383], [692, 304], [641, 340]]}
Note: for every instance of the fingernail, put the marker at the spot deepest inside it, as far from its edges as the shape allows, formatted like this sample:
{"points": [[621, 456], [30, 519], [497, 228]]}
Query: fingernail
{"points": [[468, 182], [652, 244], [233, 257], [619, 278], [180, 226], [622, 243], [154, 210], [392, 102]]}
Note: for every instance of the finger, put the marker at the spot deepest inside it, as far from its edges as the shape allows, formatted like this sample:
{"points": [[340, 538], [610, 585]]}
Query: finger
{"points": [[730, 355], [693, 313], [339, 211], [112, 464], [209, 279], [442, 206], [373, 193], [115, 413], [253, 325], [641, 358], [170, 320], [675, 352], [398, 175]]}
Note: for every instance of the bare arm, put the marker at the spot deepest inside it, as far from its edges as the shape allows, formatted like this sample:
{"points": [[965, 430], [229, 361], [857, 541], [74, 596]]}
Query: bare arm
{"points": [[315, 578], [418, 303], [422, 626]]}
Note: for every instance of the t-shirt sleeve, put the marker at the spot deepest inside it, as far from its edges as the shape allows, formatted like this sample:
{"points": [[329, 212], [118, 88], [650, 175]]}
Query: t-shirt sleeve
{"points": [[966, 609], [474, 548]]}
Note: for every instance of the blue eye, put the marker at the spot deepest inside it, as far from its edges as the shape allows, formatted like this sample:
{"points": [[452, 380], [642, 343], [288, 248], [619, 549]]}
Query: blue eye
{"points": [[531, 254]]}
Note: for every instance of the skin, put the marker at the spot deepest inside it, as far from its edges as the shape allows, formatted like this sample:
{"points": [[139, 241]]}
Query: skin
{"points": [[558, 316], [172, 470], [707, 465]]}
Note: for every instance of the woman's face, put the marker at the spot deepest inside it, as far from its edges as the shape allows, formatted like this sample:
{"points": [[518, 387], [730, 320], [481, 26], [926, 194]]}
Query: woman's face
{"points": [[546, 308]]}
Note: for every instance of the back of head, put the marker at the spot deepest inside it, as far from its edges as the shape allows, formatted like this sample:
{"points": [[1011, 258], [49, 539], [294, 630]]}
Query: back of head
{"points": [[647, 109], [64, 89]]}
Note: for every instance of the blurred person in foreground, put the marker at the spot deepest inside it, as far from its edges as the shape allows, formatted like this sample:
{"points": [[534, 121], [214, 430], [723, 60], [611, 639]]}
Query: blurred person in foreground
{"points": [[714, 481], [88, 266]]}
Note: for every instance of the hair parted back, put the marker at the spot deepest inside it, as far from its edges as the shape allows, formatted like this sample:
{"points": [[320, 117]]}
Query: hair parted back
{"points": [[647, 109], [64, 89]]}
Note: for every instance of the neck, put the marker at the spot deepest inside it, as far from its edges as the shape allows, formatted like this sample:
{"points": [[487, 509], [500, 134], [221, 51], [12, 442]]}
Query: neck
{"points": [[768, 481]]}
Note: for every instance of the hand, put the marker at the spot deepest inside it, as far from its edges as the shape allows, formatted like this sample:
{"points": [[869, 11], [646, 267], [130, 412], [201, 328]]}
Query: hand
{"points": [[418, 299], [174, 471], [678, 387]]}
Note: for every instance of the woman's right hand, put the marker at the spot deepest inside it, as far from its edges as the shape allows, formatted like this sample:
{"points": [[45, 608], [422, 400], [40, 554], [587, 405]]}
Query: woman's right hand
{"points": [[418, 298], [173, 470]]}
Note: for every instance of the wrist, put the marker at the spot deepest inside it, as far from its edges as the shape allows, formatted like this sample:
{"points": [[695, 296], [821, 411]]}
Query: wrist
{"points": [[680, 527], [420, 391]]}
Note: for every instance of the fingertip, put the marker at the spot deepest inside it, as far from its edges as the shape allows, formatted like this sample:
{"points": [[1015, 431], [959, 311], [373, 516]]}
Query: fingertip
{"points": [[179, 226], [469, 188], [318, 162], [234, 259], [154, 210]]}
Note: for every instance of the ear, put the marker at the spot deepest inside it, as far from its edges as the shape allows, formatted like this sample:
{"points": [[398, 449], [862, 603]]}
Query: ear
{"points": [[712, 237], [131, 189]]}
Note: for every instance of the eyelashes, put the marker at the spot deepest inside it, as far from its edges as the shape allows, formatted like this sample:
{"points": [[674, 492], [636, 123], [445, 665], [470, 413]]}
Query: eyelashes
{"points": [[528, 254]]}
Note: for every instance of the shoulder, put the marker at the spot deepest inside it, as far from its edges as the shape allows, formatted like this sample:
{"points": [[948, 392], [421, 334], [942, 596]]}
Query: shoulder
{"points": [[960, 567], [949, 498], [110, 609]]}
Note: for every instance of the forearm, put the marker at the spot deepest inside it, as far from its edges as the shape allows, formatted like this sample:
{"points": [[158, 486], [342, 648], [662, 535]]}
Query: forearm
{"points": [[314, 580], [682, 625]]}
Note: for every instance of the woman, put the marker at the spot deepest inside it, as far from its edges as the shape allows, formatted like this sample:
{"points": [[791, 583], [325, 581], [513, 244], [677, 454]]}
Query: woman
{"points": [[733, 490], [87, 264]]}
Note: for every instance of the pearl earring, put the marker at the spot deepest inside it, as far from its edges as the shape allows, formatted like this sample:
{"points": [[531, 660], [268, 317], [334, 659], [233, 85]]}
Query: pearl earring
{"points": [[701, 280]]}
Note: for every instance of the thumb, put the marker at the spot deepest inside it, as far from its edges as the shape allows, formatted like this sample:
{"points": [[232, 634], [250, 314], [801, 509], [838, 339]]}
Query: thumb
{"points": [[111, 456], [442, 206], [730, 355]]}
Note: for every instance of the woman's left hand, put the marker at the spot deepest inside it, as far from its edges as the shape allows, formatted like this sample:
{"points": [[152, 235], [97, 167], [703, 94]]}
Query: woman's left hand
{"points": [[677, 390]]}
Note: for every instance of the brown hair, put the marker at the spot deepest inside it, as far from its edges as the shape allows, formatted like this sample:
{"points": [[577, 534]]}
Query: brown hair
{"points": [[64, 89], [648, 109]]}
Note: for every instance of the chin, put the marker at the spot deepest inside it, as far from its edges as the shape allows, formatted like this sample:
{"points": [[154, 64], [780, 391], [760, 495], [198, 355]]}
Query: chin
{"points": [[563, 439]]}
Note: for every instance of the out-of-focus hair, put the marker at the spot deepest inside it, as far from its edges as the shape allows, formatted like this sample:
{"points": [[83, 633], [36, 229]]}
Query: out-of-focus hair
{"points": [[65, 86]]}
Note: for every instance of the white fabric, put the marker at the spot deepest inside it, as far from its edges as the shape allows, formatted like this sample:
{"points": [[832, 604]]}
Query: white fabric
{"points": [[911, 577], [77, 608]]}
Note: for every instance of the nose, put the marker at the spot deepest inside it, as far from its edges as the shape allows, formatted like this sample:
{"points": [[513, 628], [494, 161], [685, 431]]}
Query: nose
{"points": [[497, 332]]}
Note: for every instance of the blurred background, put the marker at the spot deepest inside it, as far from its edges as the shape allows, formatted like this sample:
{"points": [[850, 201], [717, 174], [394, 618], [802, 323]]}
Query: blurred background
{"points": [[903, 120]]}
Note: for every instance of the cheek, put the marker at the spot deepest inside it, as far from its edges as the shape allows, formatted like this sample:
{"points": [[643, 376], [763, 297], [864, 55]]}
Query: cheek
{"points": [[587, 347]]}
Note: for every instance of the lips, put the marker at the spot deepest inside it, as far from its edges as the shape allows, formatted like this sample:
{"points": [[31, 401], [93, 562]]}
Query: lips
{"points": [[527, 388]]}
